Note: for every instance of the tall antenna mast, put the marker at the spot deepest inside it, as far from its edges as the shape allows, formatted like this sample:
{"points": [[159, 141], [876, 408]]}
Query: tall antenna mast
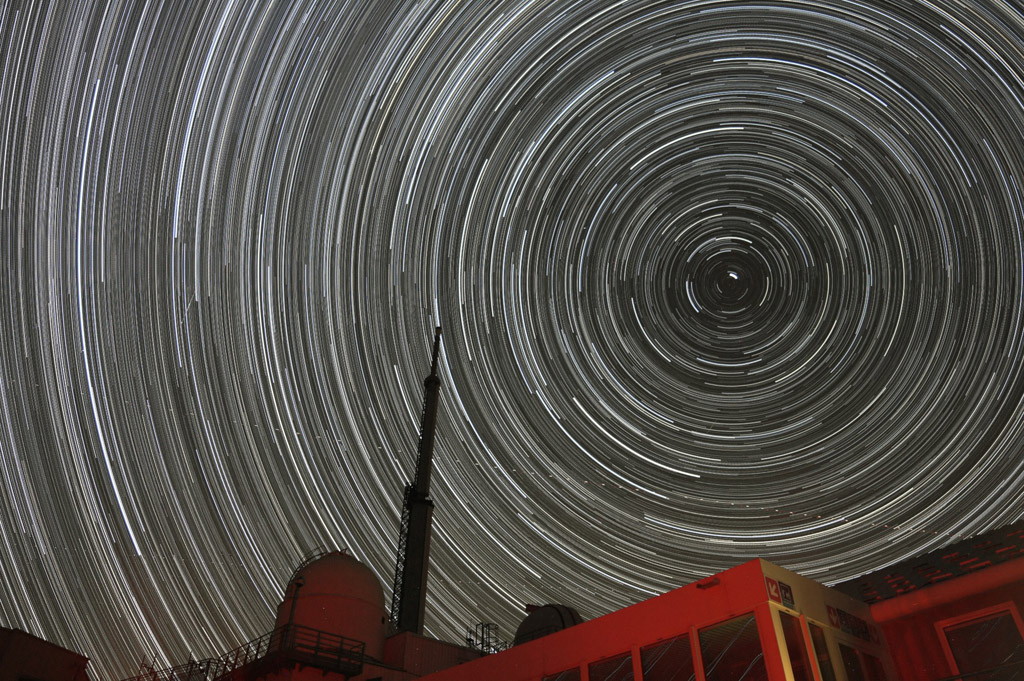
{"points": [[409, 595]]}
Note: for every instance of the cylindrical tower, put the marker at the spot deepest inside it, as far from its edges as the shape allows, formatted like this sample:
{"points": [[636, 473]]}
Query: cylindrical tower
{"points": [[339, 595]]}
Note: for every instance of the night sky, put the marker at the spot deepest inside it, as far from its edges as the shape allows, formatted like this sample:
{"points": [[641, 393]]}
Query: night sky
{"points": [[717, 280]]}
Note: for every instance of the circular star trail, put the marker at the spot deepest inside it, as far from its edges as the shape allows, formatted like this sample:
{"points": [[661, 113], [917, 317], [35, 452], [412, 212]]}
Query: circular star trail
{"points": [[717, 280]]}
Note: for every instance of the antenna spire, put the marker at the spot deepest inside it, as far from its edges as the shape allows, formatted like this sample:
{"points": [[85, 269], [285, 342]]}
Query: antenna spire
{"points": [[409, 595]]}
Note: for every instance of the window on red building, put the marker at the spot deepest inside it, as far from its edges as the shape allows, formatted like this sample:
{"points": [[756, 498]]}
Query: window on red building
{"points": [[821, 652], [873, 668], [618, 668], [567, 675], [670, 660], [796, 645], [731, 651], [985, 642], [851, 662]]}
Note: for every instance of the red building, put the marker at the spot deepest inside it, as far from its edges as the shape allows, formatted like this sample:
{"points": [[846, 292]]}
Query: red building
{"points": [[952, 614], [24, 657], [955, 612]]}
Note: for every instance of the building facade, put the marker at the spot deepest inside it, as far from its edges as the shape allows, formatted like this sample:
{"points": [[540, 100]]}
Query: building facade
{"points": [[951, 614], [24, 657]]}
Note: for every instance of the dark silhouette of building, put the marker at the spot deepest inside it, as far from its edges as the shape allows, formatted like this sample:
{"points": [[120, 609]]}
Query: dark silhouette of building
{"points": [[24, 657]]}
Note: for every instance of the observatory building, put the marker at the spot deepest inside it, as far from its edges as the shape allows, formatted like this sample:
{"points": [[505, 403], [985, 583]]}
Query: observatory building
{"points": [[949, 615]]}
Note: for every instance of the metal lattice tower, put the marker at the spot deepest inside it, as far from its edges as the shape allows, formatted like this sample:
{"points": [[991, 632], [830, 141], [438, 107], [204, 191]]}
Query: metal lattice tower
{"points": [[409, 593]]}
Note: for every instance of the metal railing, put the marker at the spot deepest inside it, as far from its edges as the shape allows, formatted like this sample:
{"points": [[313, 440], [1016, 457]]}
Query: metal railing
{"points": [[287, 644], [193, 670], [484, 637], [317, 648]]}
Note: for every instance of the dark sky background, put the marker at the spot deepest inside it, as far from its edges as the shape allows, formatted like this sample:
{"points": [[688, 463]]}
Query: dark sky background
{"points": [[717, 280]]}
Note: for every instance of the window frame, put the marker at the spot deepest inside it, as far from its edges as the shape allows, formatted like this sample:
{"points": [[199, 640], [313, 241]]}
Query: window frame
{"points": [[979, 614], [805, 633], [764, 630], [690, 633], [831, 647], [625, 655]]}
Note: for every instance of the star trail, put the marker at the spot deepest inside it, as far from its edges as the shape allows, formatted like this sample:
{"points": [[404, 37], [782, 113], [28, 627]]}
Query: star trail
{"points": [[718, 280]]}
